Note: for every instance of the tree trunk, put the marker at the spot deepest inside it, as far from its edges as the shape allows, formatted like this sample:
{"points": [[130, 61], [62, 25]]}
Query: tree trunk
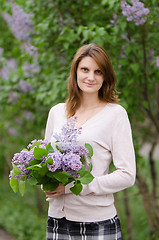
{"points": [[128, 216]]}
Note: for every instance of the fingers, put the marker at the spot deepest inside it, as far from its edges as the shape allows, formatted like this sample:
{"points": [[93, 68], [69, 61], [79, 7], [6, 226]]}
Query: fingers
{"points": [[57, 192]]}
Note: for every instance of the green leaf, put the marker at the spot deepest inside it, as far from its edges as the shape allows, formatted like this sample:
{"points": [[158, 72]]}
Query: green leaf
{"points": [[77, 188], [82, 169], [36, 144], [40, 152], [22, 187], [49, 148], [34, 167], [42, 171], [32, 181], [14, 184], [16, 170], [90, 149], [86, 177], [34, 162], [50, 186], [90, 167], [62, 176], [49, 161]]}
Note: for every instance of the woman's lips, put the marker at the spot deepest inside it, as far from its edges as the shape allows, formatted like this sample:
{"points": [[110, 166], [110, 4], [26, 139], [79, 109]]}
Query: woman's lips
{"points": [[89, 84]]}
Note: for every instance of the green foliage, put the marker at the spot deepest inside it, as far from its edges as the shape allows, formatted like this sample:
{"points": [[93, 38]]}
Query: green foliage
{"points": [[19, 216]]}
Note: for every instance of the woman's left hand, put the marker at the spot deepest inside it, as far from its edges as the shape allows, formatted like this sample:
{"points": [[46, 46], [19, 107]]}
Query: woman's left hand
{"points": [[60, 190]]}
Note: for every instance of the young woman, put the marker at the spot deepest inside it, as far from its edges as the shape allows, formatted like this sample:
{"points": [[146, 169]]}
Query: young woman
{"points": [[93, 99]]}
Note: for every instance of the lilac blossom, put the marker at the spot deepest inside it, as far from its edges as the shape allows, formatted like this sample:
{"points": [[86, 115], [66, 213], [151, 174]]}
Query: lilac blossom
{"points": [[24, 86], [30, 49], [12, 96], [71, 161], [4, 72], [157, 61], [10, 66], [23, 170], [67, 138], [24, 157], [57, 160], [115, 16], [28, 115], [135, 12], [30, 68], [13, 132], [42, 142], [1, 52], [20, 22], [18, 121]]}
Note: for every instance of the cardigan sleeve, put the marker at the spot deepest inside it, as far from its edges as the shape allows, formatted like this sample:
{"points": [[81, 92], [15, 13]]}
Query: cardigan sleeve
{"points": [[124, 161], [49, 125]]}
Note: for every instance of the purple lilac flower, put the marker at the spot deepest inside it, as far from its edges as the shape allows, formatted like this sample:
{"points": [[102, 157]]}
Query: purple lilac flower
{"points": [[18, 121], [31, 50], [71, 161], [23, 158], [29, 69], [4, 72], [57, 160], [67, 138], [23, 170], [1, 52], [12, 96], [25, 86], [13, 131], [28, 115], [157, 61], [136, 12], [11, 66], [20, 22], [42, 142]]}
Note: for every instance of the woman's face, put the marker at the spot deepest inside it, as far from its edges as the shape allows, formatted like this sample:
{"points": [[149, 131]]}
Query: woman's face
{"points": [[89, 76]]}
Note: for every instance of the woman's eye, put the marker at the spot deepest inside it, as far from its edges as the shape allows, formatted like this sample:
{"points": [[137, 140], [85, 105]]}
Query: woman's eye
{"points": [[84, 69], [99, 72]]}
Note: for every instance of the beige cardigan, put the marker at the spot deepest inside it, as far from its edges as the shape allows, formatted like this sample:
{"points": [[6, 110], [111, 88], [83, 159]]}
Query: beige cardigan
{"points": [[109, 133]]}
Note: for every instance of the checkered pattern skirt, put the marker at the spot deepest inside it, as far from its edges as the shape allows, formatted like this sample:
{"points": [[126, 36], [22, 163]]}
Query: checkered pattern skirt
{"points": [[63, 229]]}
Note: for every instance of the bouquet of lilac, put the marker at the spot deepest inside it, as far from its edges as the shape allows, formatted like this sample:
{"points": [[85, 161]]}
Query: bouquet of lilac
{"points": [[41, 164]]}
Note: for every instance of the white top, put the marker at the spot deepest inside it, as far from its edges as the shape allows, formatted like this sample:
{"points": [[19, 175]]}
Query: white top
{"points": [[109, 133]]}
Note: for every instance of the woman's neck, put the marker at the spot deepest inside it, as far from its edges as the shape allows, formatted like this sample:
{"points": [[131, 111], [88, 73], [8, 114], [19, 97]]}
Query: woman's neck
{"points": [[89, 102]]}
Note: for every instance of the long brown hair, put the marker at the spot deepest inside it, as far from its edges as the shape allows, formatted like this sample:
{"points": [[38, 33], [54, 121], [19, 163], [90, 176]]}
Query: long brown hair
{"points": [[107, 93]]}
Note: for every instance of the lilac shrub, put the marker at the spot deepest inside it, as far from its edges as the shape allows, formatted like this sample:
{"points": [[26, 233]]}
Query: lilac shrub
{"points": [[135, 12]]}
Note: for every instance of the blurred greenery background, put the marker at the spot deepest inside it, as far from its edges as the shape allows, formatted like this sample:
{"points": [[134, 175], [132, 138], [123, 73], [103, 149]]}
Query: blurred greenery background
{"points": [[37, 42]]}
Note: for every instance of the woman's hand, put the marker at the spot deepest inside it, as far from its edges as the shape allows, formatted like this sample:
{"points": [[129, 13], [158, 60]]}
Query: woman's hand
{"points": [[60, 190]]}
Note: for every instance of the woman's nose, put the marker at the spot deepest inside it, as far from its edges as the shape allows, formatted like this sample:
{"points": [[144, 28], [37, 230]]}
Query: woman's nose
{"points": [[91, 76]]}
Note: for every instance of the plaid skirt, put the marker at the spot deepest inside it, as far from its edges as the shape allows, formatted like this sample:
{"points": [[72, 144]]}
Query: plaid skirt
{"points": [[63, 229]]}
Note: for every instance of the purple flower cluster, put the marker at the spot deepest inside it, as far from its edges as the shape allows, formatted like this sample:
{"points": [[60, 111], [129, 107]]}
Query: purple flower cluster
{"points": [[22, 160], [22, 28], [157, 61], [43, 143], [67, 138], [57, 159], [20, 22], [9, 67], [24, 157], [70, 158], [24, 86], [136, 12]]}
